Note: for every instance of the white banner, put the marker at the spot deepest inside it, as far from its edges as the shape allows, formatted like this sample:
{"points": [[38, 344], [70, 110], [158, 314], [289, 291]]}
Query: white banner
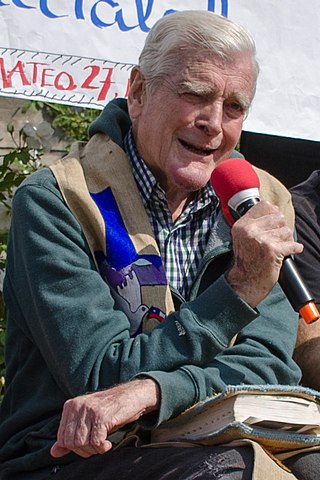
{"points": [[80, 52]]}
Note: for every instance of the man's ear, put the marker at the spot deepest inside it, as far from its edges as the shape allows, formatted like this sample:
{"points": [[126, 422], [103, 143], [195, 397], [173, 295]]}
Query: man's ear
{"points": [[136, 93]]}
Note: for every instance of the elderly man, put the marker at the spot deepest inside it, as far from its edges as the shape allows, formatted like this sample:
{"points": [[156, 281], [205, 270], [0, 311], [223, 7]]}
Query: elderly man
{"points": [[125, 280]]}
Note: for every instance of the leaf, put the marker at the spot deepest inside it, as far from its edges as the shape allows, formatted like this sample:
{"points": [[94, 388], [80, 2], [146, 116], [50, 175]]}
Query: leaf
{"points": [[9, 158], [24, 156], [7, 181], [25, 107]]}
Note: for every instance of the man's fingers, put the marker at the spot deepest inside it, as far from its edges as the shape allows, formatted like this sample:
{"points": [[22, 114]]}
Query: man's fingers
{"points": [[57, 451], [98, 433], [85, 451], [261, 209], [87, 420], [80, 432], [68, 423]]}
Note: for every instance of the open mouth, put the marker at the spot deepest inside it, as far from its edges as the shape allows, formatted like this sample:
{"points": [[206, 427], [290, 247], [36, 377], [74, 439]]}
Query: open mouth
{"points": [[197, 150]]}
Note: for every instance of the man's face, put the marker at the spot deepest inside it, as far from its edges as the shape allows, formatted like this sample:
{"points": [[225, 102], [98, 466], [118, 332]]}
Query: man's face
{"points": [[192, 121]]}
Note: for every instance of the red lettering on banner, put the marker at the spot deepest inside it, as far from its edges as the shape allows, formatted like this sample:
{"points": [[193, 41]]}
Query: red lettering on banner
{"points": [[35, 70], [95, 70], [7, 76], [106, 84], [5, 80], [101, 79], [18, 68], [70, 86], [44, 74]]}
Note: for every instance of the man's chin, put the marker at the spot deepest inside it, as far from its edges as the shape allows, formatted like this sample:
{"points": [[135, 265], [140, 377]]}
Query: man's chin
{"points": [[193, 184]]}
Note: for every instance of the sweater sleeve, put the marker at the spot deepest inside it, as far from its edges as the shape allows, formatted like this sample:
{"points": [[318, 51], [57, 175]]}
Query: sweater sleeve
{"points": [[261, 355], [65, 309]]}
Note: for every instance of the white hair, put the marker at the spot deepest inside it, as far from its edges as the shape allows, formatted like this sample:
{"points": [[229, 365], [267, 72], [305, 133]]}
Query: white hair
{"points": [[173, 36]]}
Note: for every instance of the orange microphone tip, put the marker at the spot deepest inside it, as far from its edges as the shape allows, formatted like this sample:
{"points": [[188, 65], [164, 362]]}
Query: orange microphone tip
{"points": [[309, 312]]}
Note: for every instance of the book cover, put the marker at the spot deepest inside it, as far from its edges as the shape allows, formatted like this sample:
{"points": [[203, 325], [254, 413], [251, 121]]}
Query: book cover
{"points": [[280, 418]]}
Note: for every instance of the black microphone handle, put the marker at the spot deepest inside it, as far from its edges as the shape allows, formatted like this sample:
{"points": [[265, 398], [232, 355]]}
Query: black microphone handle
{"points": [[293, 286]]}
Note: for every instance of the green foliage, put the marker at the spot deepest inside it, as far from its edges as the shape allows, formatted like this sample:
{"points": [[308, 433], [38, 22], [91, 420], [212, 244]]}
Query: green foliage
{"points": [[71, 121], [29, 144]]}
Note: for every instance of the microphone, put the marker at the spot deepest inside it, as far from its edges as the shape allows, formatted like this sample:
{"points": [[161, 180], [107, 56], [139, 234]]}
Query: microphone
{"points": [[236, 184]]}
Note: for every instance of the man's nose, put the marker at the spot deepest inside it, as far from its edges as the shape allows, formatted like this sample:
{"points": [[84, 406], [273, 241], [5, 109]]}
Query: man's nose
{"points": [[210, 120]]}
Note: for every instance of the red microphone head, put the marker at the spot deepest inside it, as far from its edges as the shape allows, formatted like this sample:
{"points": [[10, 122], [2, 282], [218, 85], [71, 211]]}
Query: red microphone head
{"points": [[231, 177]]}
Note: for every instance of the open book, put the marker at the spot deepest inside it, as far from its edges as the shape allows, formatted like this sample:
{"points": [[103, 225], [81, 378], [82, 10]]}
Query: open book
{"points": [[280, 418]]}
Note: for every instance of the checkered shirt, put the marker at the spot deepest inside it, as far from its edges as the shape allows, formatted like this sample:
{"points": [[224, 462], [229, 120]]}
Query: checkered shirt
{"points": [[181, 244]]}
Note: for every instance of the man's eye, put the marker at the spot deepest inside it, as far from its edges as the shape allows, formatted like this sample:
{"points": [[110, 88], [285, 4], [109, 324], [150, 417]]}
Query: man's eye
{"points": [[234, 108]]}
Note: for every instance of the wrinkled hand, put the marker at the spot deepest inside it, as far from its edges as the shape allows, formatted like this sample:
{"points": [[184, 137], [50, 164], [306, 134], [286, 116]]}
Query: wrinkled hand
{"points": [[261, 240], [87, 420]]}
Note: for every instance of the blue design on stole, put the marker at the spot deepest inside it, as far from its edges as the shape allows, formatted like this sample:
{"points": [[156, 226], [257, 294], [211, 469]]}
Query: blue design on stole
{"points": [[122, 267]]}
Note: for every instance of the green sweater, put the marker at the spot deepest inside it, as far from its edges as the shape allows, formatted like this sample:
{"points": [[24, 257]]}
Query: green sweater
{"points": [[65, 337]]}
